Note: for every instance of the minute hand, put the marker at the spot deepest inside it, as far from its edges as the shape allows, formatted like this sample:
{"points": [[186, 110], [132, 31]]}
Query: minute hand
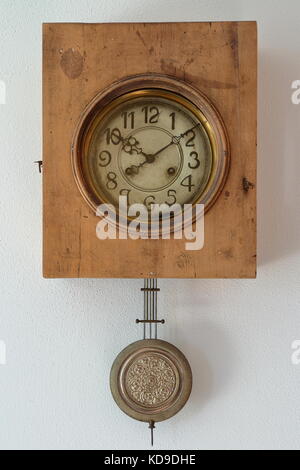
{"points": [[150, 158], [175, 140], [161, 150]]}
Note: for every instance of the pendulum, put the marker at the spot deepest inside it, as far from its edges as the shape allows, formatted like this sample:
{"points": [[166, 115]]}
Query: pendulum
{"points": [[151, 380]]}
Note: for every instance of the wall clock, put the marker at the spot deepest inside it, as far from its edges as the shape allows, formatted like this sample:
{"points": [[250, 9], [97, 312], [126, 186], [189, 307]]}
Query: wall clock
{"points": [[154, 139], [156, 113]]}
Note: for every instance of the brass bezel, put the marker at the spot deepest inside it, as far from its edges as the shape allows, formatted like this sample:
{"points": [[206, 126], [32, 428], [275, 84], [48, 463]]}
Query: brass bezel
{"points": [[161, 86]]}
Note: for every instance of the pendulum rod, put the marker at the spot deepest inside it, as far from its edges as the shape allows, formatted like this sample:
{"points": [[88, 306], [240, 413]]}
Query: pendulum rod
{"points": [[150, 318], [146, 310], [155, 306], [150, 293]]}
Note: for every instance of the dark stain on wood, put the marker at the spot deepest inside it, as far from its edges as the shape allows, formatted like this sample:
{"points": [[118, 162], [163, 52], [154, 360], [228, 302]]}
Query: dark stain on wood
{"points": [[141, 38], [183, 261], [227, 254], [247, 185], [72, 63], [216, 84], [168, 67]]}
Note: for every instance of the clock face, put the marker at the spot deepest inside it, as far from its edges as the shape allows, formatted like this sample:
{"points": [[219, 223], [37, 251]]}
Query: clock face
{"points": [[152, 146]]}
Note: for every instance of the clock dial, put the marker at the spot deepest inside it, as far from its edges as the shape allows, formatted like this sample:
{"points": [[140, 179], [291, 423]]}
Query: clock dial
{"points": [[150, 146]]}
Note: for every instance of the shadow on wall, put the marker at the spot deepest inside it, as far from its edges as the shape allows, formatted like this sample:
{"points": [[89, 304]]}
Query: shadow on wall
{"points": [[212, 362], [187, 306], [210, 353], [278, 159]]}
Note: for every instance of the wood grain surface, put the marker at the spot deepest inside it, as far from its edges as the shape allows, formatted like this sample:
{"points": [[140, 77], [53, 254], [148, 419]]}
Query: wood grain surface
{"points": [[80, 60]]}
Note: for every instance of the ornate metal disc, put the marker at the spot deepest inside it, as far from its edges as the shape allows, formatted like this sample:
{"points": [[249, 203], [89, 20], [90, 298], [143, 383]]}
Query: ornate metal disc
{"points": [[151, 380]]}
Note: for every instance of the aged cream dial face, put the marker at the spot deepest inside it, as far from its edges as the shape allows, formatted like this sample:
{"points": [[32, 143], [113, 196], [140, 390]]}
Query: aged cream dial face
{"points": [[151, 147]]}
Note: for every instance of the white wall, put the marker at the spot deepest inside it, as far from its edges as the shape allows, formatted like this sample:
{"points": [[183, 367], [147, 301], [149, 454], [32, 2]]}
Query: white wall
{"points": [[61, 336]]}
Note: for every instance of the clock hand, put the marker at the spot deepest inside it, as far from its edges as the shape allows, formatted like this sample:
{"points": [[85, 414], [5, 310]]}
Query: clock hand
{"points": [[175, 141], [130, 145], [149, 159], [162, 149], [134, 169], [186, 132]]}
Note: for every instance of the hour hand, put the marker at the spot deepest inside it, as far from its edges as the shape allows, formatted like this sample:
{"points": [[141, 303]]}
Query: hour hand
{"points": [[130, 146], [134, 169]]}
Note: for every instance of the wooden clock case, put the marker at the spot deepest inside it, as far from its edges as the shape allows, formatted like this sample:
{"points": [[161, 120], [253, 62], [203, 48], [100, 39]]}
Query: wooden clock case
{"points": [[81, 60]]}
